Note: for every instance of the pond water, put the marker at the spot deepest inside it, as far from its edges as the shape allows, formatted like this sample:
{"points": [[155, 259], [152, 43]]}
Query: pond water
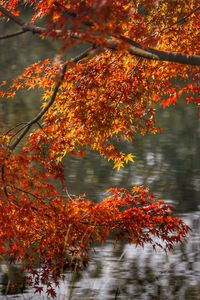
{"points": [[169, 163]]}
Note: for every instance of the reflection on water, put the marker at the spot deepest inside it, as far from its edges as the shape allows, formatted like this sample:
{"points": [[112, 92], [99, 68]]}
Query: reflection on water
{"points": [[169, 163]]}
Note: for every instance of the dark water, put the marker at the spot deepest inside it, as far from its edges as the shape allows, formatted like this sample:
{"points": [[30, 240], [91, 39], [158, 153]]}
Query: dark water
{"points": [[169, 163]]}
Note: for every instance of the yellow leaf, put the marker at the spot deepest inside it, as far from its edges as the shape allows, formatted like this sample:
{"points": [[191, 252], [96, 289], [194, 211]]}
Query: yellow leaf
{"points": [[129, 157], [136, 189], [118, 164]]}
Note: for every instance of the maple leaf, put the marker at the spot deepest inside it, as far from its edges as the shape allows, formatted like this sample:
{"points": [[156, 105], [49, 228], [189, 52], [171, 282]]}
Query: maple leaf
{"points": [[51, 292], [38, 289], [129, 157], [136, 189], [118, 165]]}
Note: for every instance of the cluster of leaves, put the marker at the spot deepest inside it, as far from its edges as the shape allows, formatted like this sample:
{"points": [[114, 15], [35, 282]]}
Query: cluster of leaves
{"points": [[137, 54], [51, 232]]}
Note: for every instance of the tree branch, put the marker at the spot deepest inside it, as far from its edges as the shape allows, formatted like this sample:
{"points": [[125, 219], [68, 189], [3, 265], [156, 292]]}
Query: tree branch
{"points": [[154, 54], [26, 26], [52, 99], [10, 35], [133, 47], [148, 53], [11, 16]]}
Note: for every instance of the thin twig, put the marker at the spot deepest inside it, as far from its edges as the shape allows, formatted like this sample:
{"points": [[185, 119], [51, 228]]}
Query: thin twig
{"points": [[26, 26], [18, 131], [35, 196], [10, 35], [136, 66], [3, 179], [13, 128], [72, 14], [40, 126], [179, 21], [11, 16], [52, 99], [3, 174], [23, 191], [41, 113]]}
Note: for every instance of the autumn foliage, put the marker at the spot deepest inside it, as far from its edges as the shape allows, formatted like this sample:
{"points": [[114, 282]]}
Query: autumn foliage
{"points": [[135, 55]]}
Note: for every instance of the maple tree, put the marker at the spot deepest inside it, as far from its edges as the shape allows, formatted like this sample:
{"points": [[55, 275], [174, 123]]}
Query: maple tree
{"points": [[137, 54]]}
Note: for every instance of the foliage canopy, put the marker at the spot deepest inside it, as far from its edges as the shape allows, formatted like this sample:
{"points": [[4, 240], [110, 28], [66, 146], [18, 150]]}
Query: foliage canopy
{"points": [[136, 54]]}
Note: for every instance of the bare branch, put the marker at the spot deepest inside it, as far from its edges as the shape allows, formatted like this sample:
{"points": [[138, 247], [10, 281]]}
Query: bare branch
{"points": [[10, 35], [13, 128]]}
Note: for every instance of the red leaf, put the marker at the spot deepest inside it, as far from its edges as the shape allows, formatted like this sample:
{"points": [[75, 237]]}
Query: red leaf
{"points": [[51, 292], [38, 289]]}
